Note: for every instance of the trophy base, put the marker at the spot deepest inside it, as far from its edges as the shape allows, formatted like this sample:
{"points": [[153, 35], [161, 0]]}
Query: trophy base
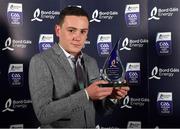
{"points": [[112, 84]]}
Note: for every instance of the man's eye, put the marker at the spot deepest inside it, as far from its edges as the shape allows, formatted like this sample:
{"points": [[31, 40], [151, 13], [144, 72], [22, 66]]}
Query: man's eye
{"points": [[71, 30], [83, 32]]}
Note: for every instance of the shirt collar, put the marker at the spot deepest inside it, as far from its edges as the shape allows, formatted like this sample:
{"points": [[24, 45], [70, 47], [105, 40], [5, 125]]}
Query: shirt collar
{"points": [[68, 55]]}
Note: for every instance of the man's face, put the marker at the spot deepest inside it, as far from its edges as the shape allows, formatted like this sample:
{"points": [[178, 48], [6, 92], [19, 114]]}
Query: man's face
{"points": [[73, 33]]}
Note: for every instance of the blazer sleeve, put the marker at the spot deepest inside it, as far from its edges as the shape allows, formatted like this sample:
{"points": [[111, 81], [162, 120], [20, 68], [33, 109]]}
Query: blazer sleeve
{"points": [[41, 84]]}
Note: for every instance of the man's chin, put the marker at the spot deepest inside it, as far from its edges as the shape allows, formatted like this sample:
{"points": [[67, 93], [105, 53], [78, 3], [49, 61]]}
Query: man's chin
{"points": [[77, 49], [75, 52]]}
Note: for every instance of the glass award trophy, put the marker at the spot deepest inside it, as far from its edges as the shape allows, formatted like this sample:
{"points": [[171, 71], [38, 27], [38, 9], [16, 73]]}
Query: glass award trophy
{"points": [[113, 70]]}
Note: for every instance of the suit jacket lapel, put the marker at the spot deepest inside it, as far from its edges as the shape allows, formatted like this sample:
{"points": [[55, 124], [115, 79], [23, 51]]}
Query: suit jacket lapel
{"points": [[92, 73], [63, 61]]}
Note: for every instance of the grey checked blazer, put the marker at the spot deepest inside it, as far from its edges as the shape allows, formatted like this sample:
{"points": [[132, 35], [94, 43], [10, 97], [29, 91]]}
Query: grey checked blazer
{"points": [[51, 85]]}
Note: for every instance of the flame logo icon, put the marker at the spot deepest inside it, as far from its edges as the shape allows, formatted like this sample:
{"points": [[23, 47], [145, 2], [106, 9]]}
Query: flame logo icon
{"points": [[36, 15], [8, 44], [154, 72], [125, 44], [94, 16], [8, 105], [153, 14]]}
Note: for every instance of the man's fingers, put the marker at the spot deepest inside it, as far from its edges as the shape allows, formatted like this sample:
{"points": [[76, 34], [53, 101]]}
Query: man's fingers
{"points": [[100, 82], [126, 88], [106, 89]]}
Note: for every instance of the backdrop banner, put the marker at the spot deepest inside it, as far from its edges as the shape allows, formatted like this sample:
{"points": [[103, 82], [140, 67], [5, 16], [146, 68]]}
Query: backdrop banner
{"points": [[148, 34]]}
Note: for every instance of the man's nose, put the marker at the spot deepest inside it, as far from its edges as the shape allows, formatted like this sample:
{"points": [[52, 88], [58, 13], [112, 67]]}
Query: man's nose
{"points": [[77, 36]]}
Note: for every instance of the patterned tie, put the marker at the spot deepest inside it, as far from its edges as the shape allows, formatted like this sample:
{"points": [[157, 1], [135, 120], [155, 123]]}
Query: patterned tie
{"points": [[80, 73]]}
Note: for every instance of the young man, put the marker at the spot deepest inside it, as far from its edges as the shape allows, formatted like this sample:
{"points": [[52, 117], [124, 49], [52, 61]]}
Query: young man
{"points": [[58, 100]]}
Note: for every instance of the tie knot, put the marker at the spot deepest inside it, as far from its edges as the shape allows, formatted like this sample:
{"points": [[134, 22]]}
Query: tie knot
{"points": [[73, 60]]}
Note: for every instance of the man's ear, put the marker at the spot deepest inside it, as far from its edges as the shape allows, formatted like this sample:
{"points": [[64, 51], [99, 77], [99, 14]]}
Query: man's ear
{"points": [[57, 30]]}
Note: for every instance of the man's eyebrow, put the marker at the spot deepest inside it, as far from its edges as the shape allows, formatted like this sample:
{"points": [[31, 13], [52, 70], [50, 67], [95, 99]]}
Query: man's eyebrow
{"points": [[74, 28]]}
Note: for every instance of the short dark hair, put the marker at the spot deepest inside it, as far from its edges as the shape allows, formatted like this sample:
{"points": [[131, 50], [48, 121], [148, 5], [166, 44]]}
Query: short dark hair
{"points": [[71, 10]]}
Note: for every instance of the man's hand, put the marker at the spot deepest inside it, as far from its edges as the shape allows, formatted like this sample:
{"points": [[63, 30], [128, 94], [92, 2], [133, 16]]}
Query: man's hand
{"points": [[119, 92], [98, 93]]}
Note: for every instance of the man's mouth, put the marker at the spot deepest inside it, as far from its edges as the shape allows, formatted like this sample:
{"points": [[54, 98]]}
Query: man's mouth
{"points": [[76, 44]]}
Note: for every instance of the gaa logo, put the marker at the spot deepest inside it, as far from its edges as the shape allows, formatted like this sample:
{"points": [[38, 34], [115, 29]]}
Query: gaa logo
{"points": [[132, 15], [165, 104], [15, 15], [15, 75], [163, 44], [46, 46], [104, 45], [46, 41], [133, 75]]}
